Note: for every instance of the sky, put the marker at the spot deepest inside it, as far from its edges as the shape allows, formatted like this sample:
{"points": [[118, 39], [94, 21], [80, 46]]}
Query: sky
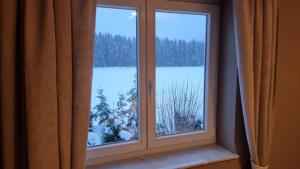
{"points": [[168, 25]]}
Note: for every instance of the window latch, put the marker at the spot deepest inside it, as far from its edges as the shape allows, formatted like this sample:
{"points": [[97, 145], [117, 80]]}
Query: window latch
{"points": [[151, 91]]}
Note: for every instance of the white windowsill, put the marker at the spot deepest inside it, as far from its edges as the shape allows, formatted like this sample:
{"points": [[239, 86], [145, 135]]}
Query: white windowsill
{"points": [[185, 158]]}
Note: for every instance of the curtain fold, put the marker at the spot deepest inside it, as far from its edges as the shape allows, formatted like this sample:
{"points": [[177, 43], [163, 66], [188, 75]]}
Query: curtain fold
{"points": [[46, 54], [256, 44]]}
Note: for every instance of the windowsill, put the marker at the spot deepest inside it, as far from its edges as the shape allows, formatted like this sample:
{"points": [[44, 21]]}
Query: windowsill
{"points": [[186, 158]]}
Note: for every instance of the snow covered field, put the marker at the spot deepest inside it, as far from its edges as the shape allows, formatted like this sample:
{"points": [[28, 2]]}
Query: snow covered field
{"points": [[115, 80]]}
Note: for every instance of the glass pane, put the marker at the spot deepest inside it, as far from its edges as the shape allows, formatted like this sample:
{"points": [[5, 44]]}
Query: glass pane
{"points": [[180, 72], [113, 115]]}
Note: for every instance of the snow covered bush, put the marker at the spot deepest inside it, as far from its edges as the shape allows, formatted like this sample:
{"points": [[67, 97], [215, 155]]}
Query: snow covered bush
{"points": [[177, 111], [178, 108], [108, 125]]}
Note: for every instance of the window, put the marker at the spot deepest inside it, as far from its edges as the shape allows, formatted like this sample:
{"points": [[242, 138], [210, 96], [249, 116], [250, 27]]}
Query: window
{"points": [[114, 116], [154, 77], [180, 57]]}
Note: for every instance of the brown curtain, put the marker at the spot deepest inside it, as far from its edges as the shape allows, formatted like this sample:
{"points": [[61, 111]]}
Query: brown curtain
{"points": [[46, 49], [256, 42]]}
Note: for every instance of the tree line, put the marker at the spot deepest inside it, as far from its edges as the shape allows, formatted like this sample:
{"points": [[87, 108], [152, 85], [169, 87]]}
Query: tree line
{"points": [[121, 51]]}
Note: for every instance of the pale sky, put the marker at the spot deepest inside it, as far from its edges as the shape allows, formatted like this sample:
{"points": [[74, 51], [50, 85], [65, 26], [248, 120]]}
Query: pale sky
{"points": [[168, 25]]}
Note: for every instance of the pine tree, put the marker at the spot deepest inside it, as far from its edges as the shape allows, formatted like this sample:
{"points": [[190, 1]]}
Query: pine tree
{"points": [[102, 109], [93, 117], [132, 110], [119, 51], [121, 105], [132, 93], [113, 134]]}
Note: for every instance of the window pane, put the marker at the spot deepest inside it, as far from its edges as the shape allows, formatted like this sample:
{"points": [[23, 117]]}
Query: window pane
{"points": [[180, 72], [113, 115]]}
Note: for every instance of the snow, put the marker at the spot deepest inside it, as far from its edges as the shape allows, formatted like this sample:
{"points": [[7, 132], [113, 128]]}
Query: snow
{"points": [[125, 135], [115, 80], [99, 130], [94, 139], [118, 122]]}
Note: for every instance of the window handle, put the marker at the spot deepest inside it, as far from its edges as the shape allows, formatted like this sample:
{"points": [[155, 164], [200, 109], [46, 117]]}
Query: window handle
{"points": [[151, 91]]}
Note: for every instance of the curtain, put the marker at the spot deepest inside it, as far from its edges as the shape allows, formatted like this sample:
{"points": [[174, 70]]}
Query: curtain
{"points": [[46, 52], [256, 43]]}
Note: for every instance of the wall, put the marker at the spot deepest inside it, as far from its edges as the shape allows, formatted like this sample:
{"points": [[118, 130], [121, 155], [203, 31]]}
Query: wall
{"points": [[286, 141], [285, 153], [230, 127]]}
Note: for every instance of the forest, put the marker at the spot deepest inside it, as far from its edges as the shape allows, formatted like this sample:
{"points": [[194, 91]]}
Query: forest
{"points": [[120, 51]]}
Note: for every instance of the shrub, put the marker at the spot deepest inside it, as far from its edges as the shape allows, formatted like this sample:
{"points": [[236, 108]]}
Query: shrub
{"points": [[178, 109]]}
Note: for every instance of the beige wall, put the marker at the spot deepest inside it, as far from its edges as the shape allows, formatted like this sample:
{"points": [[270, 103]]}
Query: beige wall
{"points": [[285, 152], [286, 141]]}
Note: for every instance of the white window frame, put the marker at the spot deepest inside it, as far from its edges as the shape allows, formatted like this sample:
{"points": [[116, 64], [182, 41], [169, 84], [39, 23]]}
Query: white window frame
{"points": [[148, 142], [212, 12], [141, 144]]}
